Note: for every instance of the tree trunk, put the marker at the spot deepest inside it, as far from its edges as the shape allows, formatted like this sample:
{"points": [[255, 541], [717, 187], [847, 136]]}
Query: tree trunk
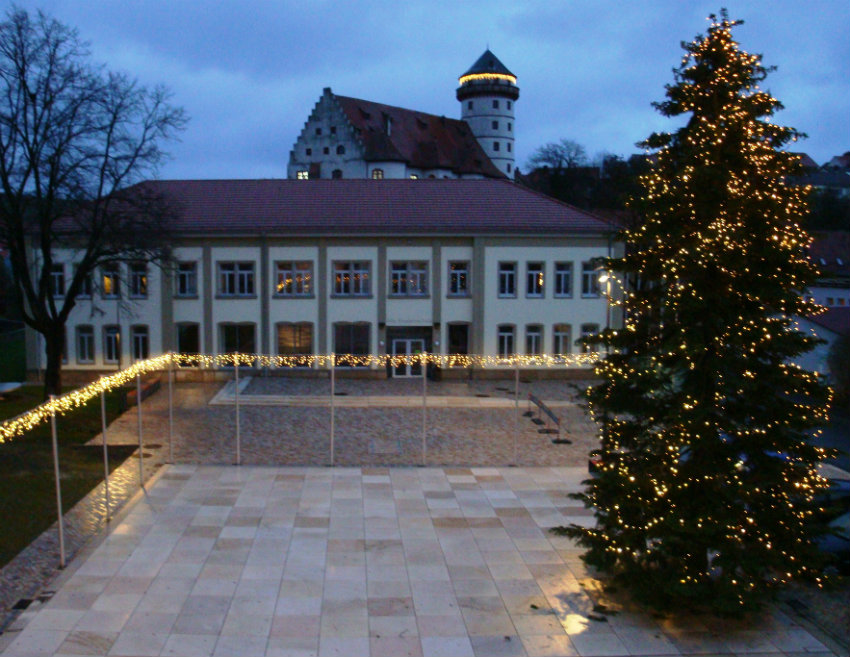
{"points": [[54, 340]]}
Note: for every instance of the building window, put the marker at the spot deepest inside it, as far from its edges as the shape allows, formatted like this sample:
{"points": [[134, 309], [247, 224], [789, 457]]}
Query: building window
{"points": [[237, 338], [563, 279], [340, 150], [351, 339], [409, 278], [458, 339], [326, 150], [534, 280], [377, 174], [57, 280], [469, 104], [495, 104], [508, 146], [534, 339], [561, 339], [509, 168], [318, 131], [109, 283], [495, 125], [187, 279], [413, 176], [111, 343], [139, 342], [302, 175], [510, 125], [588, 330], [85, 285], [505, 338], [85, 344], [459, 278], [589, 280], [333, 129], [308, 152], [495, 146], [294, 278], [336, 174], [509, 104], [507, 279], [138, 280], [351, 278], [295, 339], [188, 338], [236, 279]]}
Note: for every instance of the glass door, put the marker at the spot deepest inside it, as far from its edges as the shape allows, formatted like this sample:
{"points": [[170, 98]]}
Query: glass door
{"points": [[406, 347]]}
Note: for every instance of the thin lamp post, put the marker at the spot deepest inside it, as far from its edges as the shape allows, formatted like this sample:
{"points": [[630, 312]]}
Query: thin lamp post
{"points": [[171, 408], [516, 406], [333, 408], [58, 486], [424, 361], [139, 416], [105, 454], [236, 393]]}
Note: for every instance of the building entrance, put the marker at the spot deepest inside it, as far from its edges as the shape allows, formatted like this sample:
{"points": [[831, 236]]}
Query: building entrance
{"points": [[408, 347]]}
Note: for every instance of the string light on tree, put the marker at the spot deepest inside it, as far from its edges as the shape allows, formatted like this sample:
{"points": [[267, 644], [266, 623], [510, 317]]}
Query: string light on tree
{"points": [[705, 490]]}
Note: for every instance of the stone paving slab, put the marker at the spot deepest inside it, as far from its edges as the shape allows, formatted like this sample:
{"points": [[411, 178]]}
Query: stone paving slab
{"points": [[222, 560]]}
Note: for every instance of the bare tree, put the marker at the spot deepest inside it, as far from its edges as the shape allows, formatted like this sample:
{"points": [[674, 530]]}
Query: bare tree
{"points": [[73, 138], [565, 154]]}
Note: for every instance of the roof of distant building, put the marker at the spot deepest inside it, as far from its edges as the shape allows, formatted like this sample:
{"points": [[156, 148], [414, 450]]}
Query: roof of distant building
{"points": [[488, 63], [369, 207], [836, 320], [424, 141], [807, 162], [830, 251]]}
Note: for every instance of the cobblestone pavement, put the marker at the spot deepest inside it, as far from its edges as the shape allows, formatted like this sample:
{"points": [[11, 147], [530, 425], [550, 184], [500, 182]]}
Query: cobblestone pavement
{"points": [[362, 562]]}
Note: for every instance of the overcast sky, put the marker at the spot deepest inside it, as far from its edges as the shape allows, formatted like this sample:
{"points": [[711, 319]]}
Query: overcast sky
{"points": [[249, 72]]}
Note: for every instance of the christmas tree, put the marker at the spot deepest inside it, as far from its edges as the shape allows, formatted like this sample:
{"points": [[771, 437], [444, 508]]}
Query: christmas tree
{"points": [[705, 492]]}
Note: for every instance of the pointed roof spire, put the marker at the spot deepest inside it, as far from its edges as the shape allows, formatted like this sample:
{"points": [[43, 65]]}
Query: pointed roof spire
{"points": [[488, 63]]}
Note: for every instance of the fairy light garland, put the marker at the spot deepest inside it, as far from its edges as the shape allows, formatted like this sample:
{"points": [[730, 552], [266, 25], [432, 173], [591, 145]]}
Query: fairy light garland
{"points": [[27, 421]]}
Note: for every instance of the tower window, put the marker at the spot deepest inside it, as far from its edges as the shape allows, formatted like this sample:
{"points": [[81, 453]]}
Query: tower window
{"points": [[495, 125], [509, 168], [495, 104], [469, 105], [495, 146], [509, 104], [510, 126], [509, 147]]}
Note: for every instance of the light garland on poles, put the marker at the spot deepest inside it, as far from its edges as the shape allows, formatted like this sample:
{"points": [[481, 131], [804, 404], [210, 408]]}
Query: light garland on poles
{"points": [[27, 421]]}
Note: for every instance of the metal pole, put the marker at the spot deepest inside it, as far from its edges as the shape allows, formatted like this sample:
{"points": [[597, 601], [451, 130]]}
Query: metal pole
{"points": [[516, 409], [105, 454], [58, 488], [139, 415], [424, 407], [171, 409], [333, 410], [238, 435]]}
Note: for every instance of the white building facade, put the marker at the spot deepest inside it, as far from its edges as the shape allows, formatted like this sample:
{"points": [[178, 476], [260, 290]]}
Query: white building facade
{"points": [[358, 266]]}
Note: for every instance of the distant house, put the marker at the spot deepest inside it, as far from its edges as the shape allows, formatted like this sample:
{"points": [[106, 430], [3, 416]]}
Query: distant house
{"points": [[348, 137]]}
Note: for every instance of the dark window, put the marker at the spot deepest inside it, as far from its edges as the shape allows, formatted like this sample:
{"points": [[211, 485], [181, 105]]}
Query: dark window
{"points": [[85, 286], [309, 152], [318, 131], [495, 125], [495, 146], [340, 150], [589, 280], [188, 339], [333, 129], [187, 279], [509, 104], [505, 338], [236, 279], [469, 104], [140, 342], [510, 125], [561, 343], [111, 343], [509, 145], [326, 150], [336, 174], [534, 339], [458, 339], [237, 338], [563, 279], [495, 104], [507, 279], [57, 280], [351, 339], [509, 168], [138, 280], [85, 344]]}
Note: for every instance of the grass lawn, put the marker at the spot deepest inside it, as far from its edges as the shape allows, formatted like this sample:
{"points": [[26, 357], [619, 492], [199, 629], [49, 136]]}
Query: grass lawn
{"points": [[27, 491]]}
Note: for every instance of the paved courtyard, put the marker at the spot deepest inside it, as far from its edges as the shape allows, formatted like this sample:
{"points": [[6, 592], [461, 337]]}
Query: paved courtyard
{"points": [[224, 560]]}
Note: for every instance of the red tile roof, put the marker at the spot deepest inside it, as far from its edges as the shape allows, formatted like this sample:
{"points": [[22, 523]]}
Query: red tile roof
{"points": [[424, 141], [370, 207], [830, 251]]}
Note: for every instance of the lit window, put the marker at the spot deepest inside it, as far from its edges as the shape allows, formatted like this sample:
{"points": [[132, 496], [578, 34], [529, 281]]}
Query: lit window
{"points": [[505, 338], [563, 279], [409, 278], [507, 279], [295, 339], [57, 280], [236, 279], [377, 174], [534, 339], [413, 176], [85, 344], [187, 279], [534, 279], [561, 339], [140, 342], [302, 175], [459, 279], [589, 280], [351, 279], [294, 278], [109, 283], [111, 343], [138, 280]]}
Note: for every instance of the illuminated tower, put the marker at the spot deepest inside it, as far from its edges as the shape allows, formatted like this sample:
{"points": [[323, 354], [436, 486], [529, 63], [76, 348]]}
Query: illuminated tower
{"points": [[487, 94]]}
